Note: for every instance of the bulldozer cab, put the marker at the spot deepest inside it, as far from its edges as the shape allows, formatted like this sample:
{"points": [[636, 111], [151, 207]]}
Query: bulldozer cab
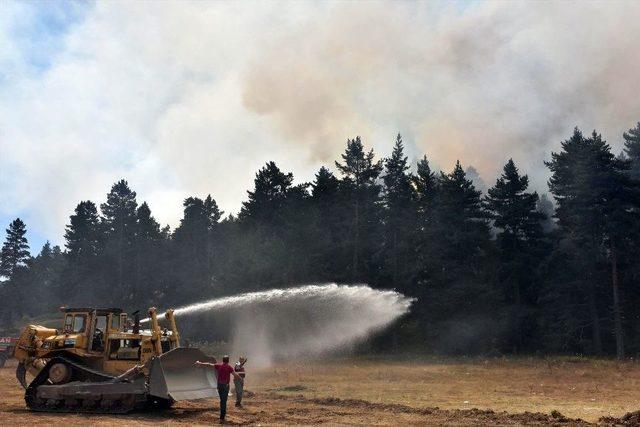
{"points": [[90, 327], [74, 323], [112, 340]]}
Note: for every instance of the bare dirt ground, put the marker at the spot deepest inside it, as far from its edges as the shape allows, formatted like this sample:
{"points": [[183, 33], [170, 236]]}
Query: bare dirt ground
{"points": [[383, 392]]}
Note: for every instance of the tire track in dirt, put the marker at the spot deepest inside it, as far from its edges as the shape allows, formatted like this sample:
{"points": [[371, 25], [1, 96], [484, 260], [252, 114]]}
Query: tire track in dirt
{"points": [[471, 416]]}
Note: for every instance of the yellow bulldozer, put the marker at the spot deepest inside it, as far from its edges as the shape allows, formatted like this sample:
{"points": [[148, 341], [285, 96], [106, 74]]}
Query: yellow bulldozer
{"points": [[102, 361]]}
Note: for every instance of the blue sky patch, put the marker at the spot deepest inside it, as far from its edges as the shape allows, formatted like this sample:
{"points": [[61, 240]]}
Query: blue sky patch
{"points": [[39, 29]]}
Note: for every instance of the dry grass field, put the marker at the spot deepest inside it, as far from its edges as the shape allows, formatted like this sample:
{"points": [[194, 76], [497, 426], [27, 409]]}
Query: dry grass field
{"points": [[383, 392]]}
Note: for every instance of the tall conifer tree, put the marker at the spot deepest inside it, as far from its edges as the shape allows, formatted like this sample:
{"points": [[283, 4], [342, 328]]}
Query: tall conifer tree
{"points": [[271, 187], [519, 226], [597, 204], [82, 235], [327, 201], [119, 226], [360, 172], [14, 261], [15, 249], [632, 150], [400, 216]]}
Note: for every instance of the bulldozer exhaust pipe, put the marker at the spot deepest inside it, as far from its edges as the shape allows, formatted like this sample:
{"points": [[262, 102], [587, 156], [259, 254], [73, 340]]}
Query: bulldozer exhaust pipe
{"points": [[175, 335], [156, 332]]}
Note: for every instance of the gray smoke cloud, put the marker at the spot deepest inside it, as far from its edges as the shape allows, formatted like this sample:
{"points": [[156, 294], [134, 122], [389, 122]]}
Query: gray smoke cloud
{"points": [[492, 81], [192, 98]]}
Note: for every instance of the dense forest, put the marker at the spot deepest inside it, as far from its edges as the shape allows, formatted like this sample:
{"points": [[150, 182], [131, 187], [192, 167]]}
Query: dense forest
{"points": [[502, 272]]}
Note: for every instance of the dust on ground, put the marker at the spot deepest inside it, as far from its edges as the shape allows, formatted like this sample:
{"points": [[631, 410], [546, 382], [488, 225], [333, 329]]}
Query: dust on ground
{"points": [[384, 392]]}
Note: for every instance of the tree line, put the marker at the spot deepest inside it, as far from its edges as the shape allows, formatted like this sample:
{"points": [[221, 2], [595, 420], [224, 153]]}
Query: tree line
{"points": [[503, 272]]}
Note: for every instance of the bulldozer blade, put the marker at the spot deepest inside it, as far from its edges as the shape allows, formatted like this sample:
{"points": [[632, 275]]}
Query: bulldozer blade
{"points": [[173, 375], [21, 373]]}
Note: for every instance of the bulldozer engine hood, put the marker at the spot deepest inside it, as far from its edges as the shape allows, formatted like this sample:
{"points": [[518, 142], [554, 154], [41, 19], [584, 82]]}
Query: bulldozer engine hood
{"points": [[64, 341]]}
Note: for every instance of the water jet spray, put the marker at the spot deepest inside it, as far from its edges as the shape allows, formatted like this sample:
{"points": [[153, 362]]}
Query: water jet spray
{"points": [[302, 321]]}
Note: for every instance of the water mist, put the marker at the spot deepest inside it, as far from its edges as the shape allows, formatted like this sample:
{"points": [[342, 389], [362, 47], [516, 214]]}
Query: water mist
{"points": [[304, 321]]}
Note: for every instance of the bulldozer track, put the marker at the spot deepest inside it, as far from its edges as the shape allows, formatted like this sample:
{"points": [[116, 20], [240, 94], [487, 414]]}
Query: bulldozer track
{"points": [[95, 403]]}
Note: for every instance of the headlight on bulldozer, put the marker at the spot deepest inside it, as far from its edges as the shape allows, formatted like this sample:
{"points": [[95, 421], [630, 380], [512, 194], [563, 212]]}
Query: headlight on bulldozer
{"points": [[70, 342]]}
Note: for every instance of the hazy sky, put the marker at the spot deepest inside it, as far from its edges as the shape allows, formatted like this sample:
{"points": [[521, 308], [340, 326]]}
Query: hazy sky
{"points": [[192, 98]]}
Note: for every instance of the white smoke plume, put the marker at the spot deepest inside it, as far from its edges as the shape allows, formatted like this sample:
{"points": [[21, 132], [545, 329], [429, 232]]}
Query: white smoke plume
{"points": [[190, 98]]}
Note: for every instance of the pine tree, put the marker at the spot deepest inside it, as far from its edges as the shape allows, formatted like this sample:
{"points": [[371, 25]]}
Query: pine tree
{"points": [[454, 248], [212, 212], [425, 184], [359, 183], [194, 245], [148, 257], [572, 170], [359, 168], [119, 212], [513, 209], [271, 187], [326, 199], [147, 228], [632, 150], [46, 251], [515, 215], [459, 221], [15, 250], [82, 235], [45, 288], [200, 218], [597, 204], [459, 207], [325, 186], [192, 234], [119, 226], [399, 221], [85, 253], [14, 262]]}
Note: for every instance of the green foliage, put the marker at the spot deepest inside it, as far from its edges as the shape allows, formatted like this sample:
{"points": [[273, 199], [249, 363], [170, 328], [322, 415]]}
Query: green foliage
{"points": [[597, 212], [118, 223], [43, 281], [271, 187], [15, 250], [399, 218], [455, 268], [519, 230], [362, 215], [119, 212], [14, 263], [425, 185], [499, 273], [513, 210], [460, 217], [83, 234], [632, 150]]}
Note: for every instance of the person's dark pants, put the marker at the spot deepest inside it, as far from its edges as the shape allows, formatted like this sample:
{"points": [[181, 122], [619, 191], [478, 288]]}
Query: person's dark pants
{"points": [[239, 383], [223, 392]]}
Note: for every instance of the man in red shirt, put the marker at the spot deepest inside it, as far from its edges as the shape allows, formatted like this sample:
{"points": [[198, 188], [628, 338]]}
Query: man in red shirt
{"points": [[224, 372]]}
